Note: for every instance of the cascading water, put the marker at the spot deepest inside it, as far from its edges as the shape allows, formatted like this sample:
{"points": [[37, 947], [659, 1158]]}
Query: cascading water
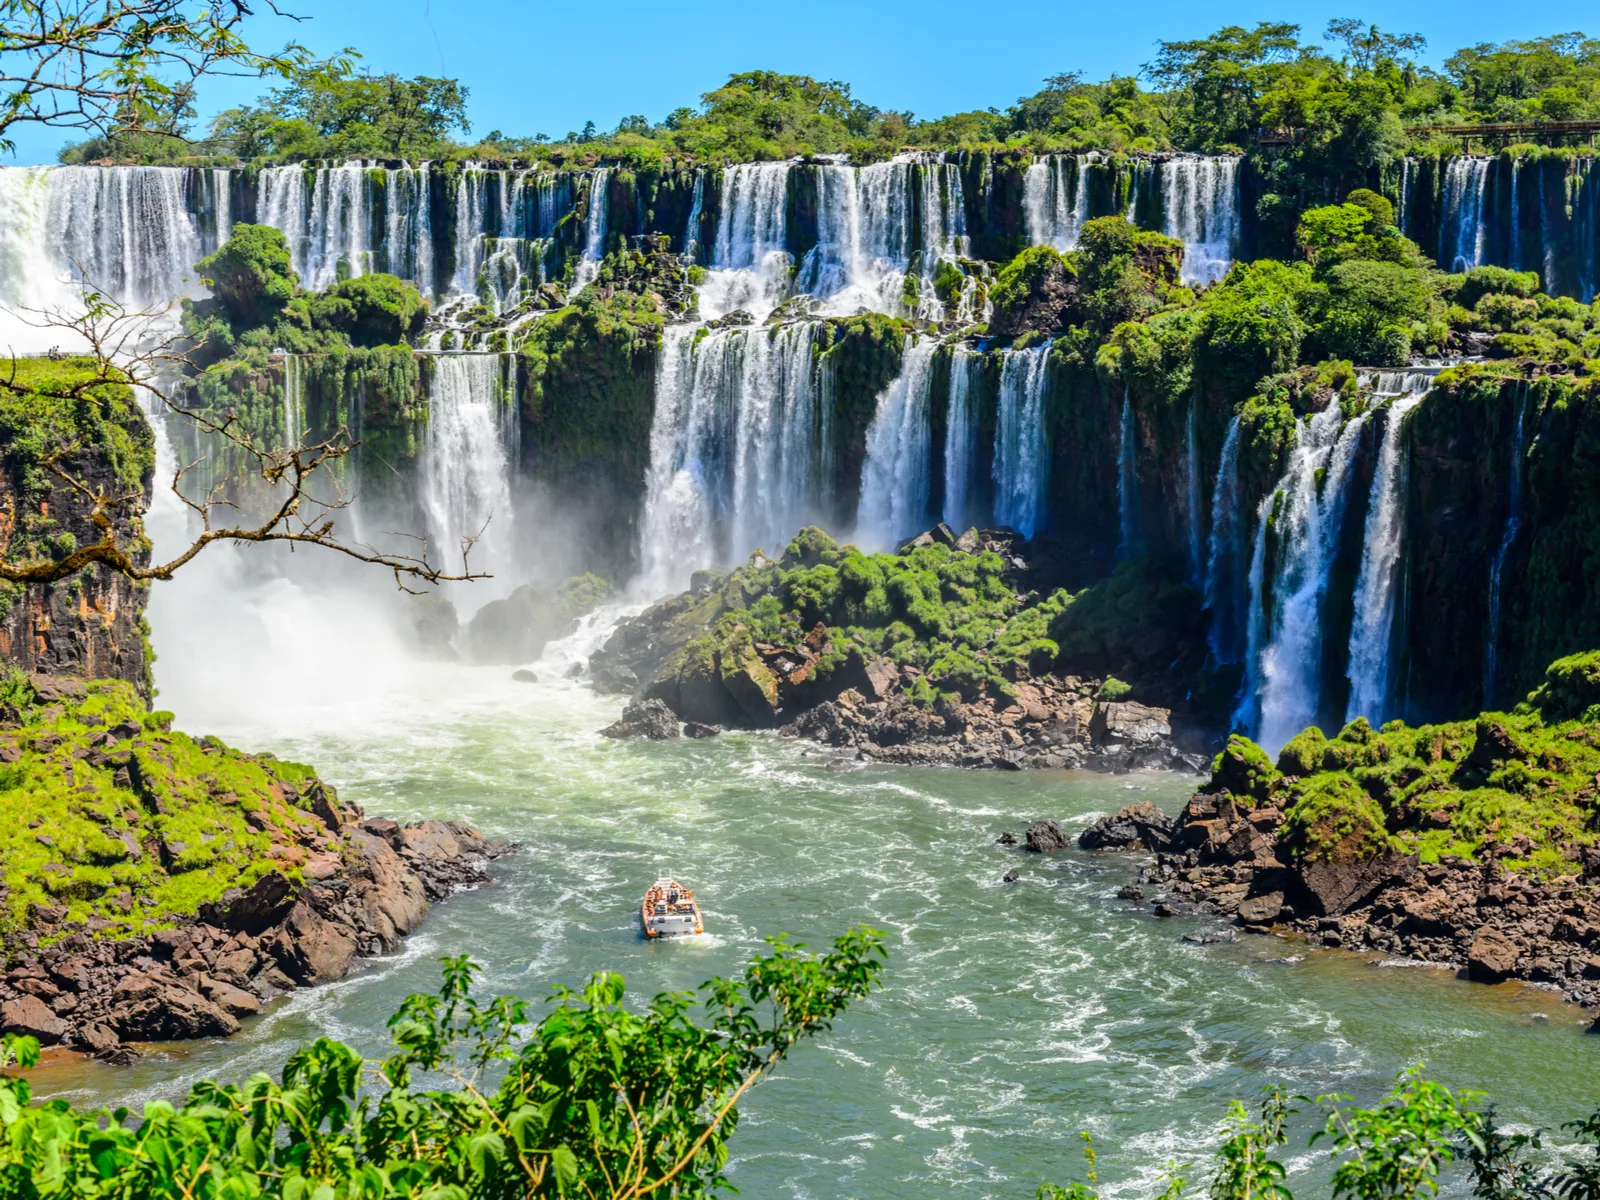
{"points": [[1200, 201], [594, 229], [1508, 537], [878, 224], [1021, 452], [294, 400], [1128, 482], [735, 455], [130, 233], [467, 461], [324, 216], [1055, 199], [959, 431], [1461, 217], [749, 266], [1284, 667], [408, 227], [1373, 627], [895, 478], [1222, 552]]}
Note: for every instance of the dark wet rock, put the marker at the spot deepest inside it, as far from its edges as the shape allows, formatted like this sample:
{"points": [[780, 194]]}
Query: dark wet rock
{"points": [[1492, 956], [1332, 888], [1261, 910], [1140, 826], [1006, 839], [694, 729], [1130, 891], [1045, 837], [1011, 876], [1165, 910], [31, 1016], [650, 719], [519, 627], [523, 675]]}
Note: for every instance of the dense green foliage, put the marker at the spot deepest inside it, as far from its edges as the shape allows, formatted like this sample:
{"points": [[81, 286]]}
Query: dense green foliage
{"points": [[598, 1098], [952, 614], [55, 408], [113, 816]]}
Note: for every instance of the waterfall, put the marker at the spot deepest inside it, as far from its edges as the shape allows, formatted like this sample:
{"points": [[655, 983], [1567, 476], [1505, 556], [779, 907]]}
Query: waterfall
{"points": [[128, 233], [1461, 216], [895, 478], [959, 430], [691, 229], [1191, 464], [294, 400], [408, 227], [1508, 536], [1128, 482], [1516, 220], [1222, 551], [1200, 207], [329, 237], [878, 224], [594, 229], [749, 266], [1372, 630], [1021, 450], [1283, 683], [467, 461], [1055, 199], [735, 450]]}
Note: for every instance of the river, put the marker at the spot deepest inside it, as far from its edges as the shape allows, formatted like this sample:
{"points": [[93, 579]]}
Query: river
{"points": [[1011, 1017]]}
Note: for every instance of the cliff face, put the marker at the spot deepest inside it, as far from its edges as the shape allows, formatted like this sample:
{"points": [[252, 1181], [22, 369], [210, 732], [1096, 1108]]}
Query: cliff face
{"points": [[90, 625]]}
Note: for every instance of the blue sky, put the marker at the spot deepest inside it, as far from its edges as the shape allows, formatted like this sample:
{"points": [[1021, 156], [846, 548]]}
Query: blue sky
{"points": [[537, 66]]}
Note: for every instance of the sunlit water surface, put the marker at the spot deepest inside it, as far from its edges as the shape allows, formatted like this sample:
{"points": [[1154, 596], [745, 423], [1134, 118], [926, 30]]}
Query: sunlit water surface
{"points": [[1011, 1017]]}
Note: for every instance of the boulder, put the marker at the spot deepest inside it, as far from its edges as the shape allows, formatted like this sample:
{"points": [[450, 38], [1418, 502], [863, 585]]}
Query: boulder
{"points": [[1128, 724], [1140, 826], [1492, 956], [697, 729], [523, 675], [251, 910], [1045, 837], [650, 719], [310, 949], [517, 629], [1011, 876], [1331, 889], [753, 687], [32, 1017], [145, 1009], [230, 999], [1261, 910]]}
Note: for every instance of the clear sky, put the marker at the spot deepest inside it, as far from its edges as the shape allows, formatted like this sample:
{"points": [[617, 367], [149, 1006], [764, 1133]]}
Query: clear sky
{"points": [[547, 66]]}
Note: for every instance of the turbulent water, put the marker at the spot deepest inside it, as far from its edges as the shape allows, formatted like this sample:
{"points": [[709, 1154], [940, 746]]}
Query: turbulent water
{"points": [[1011, 1017]]}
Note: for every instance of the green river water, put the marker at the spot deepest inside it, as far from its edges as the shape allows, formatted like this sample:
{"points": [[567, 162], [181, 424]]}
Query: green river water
{"points": [[1011, 1017]]}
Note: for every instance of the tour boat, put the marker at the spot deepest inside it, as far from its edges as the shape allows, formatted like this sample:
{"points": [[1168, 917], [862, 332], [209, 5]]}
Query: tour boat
{"points": [[669, 910]]}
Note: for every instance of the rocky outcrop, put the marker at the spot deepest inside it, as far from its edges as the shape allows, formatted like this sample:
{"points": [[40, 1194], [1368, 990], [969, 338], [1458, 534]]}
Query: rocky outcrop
{"points": [[519, 627], [199, 978], [1140, 826], [1046, 723], [1232, 856], [649, 719]]}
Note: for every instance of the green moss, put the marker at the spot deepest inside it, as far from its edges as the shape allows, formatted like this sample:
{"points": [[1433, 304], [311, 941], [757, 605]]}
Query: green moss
{"points": [[1451, 788], [113, 817]]}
